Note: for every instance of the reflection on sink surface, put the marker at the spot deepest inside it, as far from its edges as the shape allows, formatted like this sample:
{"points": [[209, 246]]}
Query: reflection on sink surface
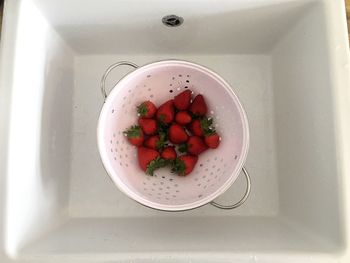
{"points": [[60, 203]]}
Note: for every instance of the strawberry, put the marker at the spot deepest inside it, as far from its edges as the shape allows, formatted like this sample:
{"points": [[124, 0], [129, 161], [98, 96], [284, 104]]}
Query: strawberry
{"points": [[196, 128], [198, 106], [177, 134], [201, 126], [195, 145], [212, 140], [148, 126], [169, 153], [146, 109], [154, 142], [185, 164], [149, 160], [151, 142], [165, 112], [183, 117], [183, 100], [135, 135]]}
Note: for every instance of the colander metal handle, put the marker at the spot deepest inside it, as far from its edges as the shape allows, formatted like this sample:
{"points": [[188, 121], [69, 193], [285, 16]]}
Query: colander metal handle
{"points": [[108, 70], [243, 199]]}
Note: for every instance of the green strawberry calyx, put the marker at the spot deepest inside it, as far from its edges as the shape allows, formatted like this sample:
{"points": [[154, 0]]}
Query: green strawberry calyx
{"points": [[178, 167], [133, 132], [142, 109], [183, 148], [207, 126], [156, 164]]}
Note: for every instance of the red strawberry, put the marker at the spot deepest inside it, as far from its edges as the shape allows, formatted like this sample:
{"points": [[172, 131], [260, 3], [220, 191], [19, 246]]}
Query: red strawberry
{"points": [[196, 128], [165, 112], [198, 106], [146, 109], [149, 126], [169, 153], [149, 160], [185, 164], [202, 126], [134, 135], [183, 100], [177, 134], [183, 117], [154, 142], [195, 145], [212, 140]]}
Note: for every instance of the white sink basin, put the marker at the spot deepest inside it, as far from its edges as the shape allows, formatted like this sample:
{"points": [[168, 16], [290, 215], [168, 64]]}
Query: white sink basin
{"points": [[286, 60]]}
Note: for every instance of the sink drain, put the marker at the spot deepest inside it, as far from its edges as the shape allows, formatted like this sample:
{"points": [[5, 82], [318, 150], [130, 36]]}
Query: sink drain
{"points": [[172, 20]]}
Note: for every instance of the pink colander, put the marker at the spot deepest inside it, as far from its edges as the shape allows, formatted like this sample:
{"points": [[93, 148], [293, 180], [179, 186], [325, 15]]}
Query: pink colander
{"points": [[215, 171]]}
